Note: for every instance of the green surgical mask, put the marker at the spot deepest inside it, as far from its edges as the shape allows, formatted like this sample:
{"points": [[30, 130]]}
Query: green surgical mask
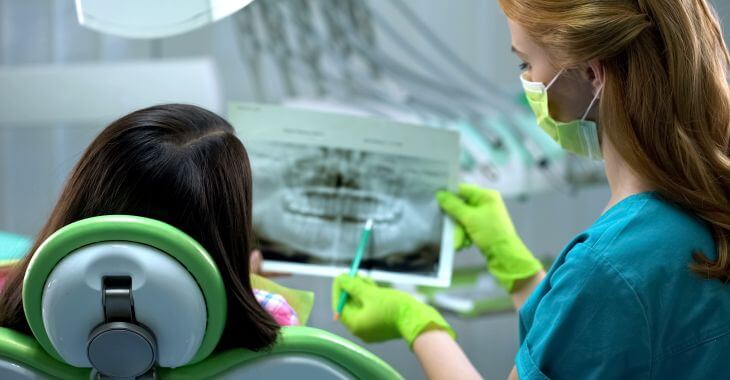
{"points": [[578, 136]]}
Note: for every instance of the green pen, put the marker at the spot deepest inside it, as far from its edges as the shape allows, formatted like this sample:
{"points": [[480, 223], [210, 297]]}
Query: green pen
{"points": [[361, 248]]}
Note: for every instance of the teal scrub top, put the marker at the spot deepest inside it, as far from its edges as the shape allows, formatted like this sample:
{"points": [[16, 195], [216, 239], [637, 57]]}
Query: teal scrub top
{"points": [[620, 302]]}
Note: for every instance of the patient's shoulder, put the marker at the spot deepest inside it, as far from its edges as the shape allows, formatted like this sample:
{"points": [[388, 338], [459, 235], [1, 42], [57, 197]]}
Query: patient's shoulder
{"points": [[278, 307]]}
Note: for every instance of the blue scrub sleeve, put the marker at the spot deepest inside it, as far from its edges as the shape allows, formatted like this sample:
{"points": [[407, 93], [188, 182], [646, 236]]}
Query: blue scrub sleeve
{"points": [[588, 324]]}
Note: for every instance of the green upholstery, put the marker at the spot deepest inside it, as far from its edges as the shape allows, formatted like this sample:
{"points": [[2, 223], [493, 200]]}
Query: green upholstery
{"points": [[26, 352], [40, 357], [130, 229], [293, 340]]}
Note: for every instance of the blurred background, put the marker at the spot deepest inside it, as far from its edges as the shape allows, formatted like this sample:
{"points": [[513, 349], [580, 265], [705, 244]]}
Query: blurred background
{"points": [[436, 63]]}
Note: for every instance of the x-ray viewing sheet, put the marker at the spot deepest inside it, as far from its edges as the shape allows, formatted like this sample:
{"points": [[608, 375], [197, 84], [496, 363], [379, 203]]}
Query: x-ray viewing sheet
{"points": [[318, 177]]}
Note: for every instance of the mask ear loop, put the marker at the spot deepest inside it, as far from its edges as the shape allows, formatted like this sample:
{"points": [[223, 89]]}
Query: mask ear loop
{"points": [[593, 103], [554, 79]]}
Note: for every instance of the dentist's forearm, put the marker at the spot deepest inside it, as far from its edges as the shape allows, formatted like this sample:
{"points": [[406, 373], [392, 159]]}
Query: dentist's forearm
{"points": [[441, 357]]}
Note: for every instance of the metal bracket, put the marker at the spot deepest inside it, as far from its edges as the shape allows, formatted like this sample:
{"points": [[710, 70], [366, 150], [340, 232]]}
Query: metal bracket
{"points": [[117, 299], [118, 306]]}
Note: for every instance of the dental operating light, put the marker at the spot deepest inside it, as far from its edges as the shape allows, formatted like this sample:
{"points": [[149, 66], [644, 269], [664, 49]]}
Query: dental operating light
{"points": [[153, 18]]}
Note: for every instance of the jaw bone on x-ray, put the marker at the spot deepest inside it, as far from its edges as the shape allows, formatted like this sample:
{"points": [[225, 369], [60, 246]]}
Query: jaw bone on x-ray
{"points": [[314, 191], [316, 200]]}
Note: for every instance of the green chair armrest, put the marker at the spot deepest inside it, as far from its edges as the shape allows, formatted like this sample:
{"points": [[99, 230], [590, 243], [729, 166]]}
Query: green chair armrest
{"points": [[293, 340], [26, 352]]}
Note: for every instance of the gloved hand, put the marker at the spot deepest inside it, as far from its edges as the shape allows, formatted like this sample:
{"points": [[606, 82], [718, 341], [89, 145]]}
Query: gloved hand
{"points": [[482, 217], [461, 239], [376, 314]]}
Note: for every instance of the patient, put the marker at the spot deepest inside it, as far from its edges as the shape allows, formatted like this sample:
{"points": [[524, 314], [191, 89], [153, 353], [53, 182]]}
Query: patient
{"points": [[184, 166]]}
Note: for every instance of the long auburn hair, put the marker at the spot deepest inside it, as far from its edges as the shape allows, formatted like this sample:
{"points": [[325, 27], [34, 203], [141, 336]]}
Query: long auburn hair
{"points": [[184, 166], [666, 100]]}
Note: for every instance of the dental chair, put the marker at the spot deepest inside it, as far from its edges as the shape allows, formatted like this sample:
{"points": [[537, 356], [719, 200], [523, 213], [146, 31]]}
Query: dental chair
{"points": [[123, 297]]}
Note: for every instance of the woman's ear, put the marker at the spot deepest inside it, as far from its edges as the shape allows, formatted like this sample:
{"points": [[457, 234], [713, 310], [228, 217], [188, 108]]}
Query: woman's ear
{"points": [[255, 260], [597, 75]]}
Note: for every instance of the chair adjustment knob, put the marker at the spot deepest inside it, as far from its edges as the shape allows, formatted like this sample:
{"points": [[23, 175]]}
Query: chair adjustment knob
{"points": [[121, 349]]}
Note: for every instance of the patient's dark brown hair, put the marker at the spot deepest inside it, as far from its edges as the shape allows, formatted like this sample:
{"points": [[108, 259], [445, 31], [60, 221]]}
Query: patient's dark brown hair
{"points": [[179, 164]]}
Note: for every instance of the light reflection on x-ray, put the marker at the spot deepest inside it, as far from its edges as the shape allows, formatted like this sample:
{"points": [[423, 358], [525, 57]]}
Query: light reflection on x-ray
{"points": [[310, 204]]}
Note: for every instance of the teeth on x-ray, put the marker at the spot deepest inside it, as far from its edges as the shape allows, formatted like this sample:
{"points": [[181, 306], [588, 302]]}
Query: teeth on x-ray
{"points": [[311, 203], [339, 168], [348, 205]]}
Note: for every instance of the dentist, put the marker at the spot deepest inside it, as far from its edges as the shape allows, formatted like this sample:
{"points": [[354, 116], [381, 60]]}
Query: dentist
{"points": [[643, 293]]}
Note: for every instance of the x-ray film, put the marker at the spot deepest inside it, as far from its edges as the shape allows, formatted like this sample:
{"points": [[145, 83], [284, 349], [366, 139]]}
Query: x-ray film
{"points": [[319, 177]]}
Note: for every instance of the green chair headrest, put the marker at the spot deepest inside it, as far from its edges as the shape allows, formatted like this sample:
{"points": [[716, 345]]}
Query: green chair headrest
{"points": [[134, 229]]}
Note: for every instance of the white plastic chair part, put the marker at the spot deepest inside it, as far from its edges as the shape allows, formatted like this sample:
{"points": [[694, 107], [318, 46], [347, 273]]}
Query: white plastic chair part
{"points": [[167, 300]]}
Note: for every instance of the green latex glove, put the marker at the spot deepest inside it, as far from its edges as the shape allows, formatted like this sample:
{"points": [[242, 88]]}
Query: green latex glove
{"points": [[461, 239], [482, 217], [376, 314]]}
